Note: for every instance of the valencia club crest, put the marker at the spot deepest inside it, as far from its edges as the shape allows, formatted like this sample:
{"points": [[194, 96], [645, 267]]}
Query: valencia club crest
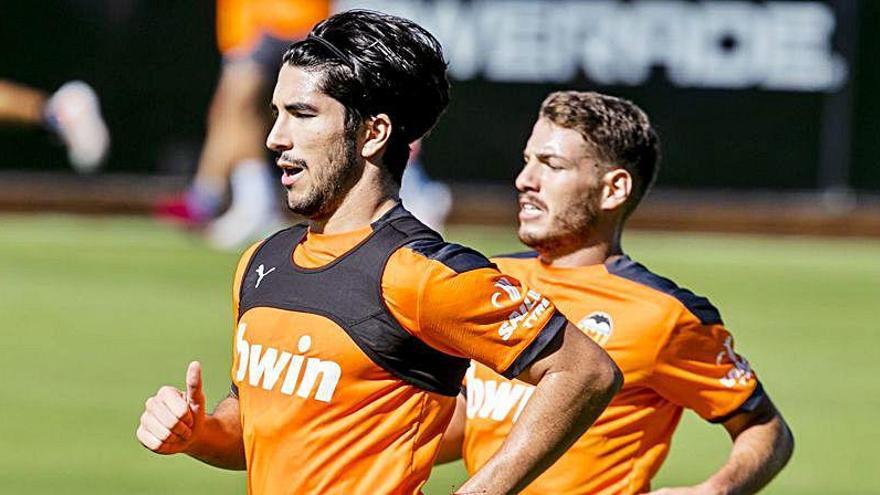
{"points": [[598, 326]]}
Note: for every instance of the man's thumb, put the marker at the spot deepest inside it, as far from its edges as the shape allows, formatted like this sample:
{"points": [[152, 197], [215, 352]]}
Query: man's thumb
{"points": [[194, 395]]}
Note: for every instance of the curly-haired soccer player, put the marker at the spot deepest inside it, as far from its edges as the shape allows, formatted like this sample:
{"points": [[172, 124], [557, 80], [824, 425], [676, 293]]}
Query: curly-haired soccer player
{"points": [[353, 332], [588, 162]]}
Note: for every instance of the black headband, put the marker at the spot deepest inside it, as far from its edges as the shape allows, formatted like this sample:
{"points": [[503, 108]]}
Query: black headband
{"points": [[336, 51]]}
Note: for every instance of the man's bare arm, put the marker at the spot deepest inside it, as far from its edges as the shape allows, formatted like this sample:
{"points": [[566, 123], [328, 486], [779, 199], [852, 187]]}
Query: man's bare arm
{"points": [[220, 443], [453, 437], [762, 445], [574, 381]]}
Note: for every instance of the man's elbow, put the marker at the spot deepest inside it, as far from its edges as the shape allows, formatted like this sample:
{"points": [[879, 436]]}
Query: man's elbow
{"points": [[605, 377], [785, 444], [614, 379], [782, 439]]}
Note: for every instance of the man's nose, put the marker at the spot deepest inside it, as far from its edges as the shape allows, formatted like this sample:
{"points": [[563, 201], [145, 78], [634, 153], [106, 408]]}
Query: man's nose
{"points": [[278, 140], [527, 179]]}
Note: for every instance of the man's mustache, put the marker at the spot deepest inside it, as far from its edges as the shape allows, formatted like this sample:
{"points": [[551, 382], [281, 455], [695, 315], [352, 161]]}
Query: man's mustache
{"points": [[284, 158]]}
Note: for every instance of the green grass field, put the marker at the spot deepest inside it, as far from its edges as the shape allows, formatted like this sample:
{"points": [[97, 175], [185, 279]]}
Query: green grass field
{"points": [[98, 313]]}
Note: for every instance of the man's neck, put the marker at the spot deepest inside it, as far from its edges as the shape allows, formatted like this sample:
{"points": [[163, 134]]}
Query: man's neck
{"points": [[370, 198]]}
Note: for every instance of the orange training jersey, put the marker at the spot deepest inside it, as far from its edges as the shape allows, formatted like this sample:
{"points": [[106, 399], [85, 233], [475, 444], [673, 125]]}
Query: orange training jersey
{"points": [[674, 354], [349, 351], [240, 23]]}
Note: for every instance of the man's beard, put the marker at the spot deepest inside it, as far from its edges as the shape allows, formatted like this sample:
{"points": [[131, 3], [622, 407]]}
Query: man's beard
{"points": [[331, 184], [567, 230]]}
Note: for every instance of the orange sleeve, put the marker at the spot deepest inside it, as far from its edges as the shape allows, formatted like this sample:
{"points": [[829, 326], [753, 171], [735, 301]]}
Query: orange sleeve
{"points": [[236, 25], [456, 301], [240, 23], [287, 19], [697, 368]]}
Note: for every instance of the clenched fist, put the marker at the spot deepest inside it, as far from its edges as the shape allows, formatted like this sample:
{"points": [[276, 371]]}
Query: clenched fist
{"points": [[172, 419]]}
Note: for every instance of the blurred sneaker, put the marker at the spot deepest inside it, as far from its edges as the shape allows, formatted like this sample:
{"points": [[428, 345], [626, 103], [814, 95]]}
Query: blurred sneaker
{"points": [[178, 211], [194, 209], [238, 227], [74, 114]]}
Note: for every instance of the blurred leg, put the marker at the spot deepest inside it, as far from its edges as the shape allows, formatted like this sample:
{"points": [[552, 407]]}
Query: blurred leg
{"points": [[73, 113], [235, 150], [237, 122], [236, 131], [21, 104]]}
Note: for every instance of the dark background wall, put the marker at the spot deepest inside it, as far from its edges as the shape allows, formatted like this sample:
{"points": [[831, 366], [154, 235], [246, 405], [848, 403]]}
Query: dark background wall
{"points": [[155, 64], [866, 139]]}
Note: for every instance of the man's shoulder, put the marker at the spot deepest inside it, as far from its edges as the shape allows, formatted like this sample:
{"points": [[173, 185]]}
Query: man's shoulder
{"points": [[644, 279], [436, 266], [516, 264], [455, 257]]}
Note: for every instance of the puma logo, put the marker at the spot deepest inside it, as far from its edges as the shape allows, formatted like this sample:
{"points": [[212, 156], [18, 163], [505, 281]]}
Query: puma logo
{"points": [[261, 272]]}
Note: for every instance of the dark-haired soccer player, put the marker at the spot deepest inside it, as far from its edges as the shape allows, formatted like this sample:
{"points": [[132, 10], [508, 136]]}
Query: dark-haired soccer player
{"points": [[588, 162], [353, 332]]}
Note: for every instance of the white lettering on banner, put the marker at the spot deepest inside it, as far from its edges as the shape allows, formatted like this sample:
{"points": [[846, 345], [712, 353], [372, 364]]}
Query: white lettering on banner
{"points": [[263, 369], [710, 44], [495, 399]]}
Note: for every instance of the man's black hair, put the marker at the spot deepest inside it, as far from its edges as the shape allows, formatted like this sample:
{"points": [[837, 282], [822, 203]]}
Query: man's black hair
{"points": [[376, 63]]}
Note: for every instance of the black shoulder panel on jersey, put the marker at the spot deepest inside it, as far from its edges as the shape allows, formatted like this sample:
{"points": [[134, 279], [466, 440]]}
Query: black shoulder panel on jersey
{"points": [[401, 220], [520, 255], [348, 291], [293, 232], [457, 257], [699, 306]]}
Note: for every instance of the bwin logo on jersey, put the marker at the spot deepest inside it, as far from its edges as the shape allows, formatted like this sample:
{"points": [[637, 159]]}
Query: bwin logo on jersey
{"points": [[598, 326], [495, 400], [263, 368]]}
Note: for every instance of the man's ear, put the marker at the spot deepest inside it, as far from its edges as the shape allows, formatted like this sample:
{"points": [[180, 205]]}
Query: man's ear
{"points": [[617, 185], [377, 133]]}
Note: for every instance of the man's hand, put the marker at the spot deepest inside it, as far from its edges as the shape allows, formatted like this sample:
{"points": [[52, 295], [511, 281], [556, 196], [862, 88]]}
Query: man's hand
{"points": [[171, 418], [176, 422]]}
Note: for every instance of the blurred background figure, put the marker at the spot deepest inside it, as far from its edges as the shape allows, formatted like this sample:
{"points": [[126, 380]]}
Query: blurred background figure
{"points": [[234, 168], [72, 113], [429, 200]]}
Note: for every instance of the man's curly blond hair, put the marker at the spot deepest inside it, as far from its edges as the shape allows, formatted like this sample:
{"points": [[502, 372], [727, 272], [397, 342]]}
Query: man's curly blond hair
{"points": [[616, 130]]}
